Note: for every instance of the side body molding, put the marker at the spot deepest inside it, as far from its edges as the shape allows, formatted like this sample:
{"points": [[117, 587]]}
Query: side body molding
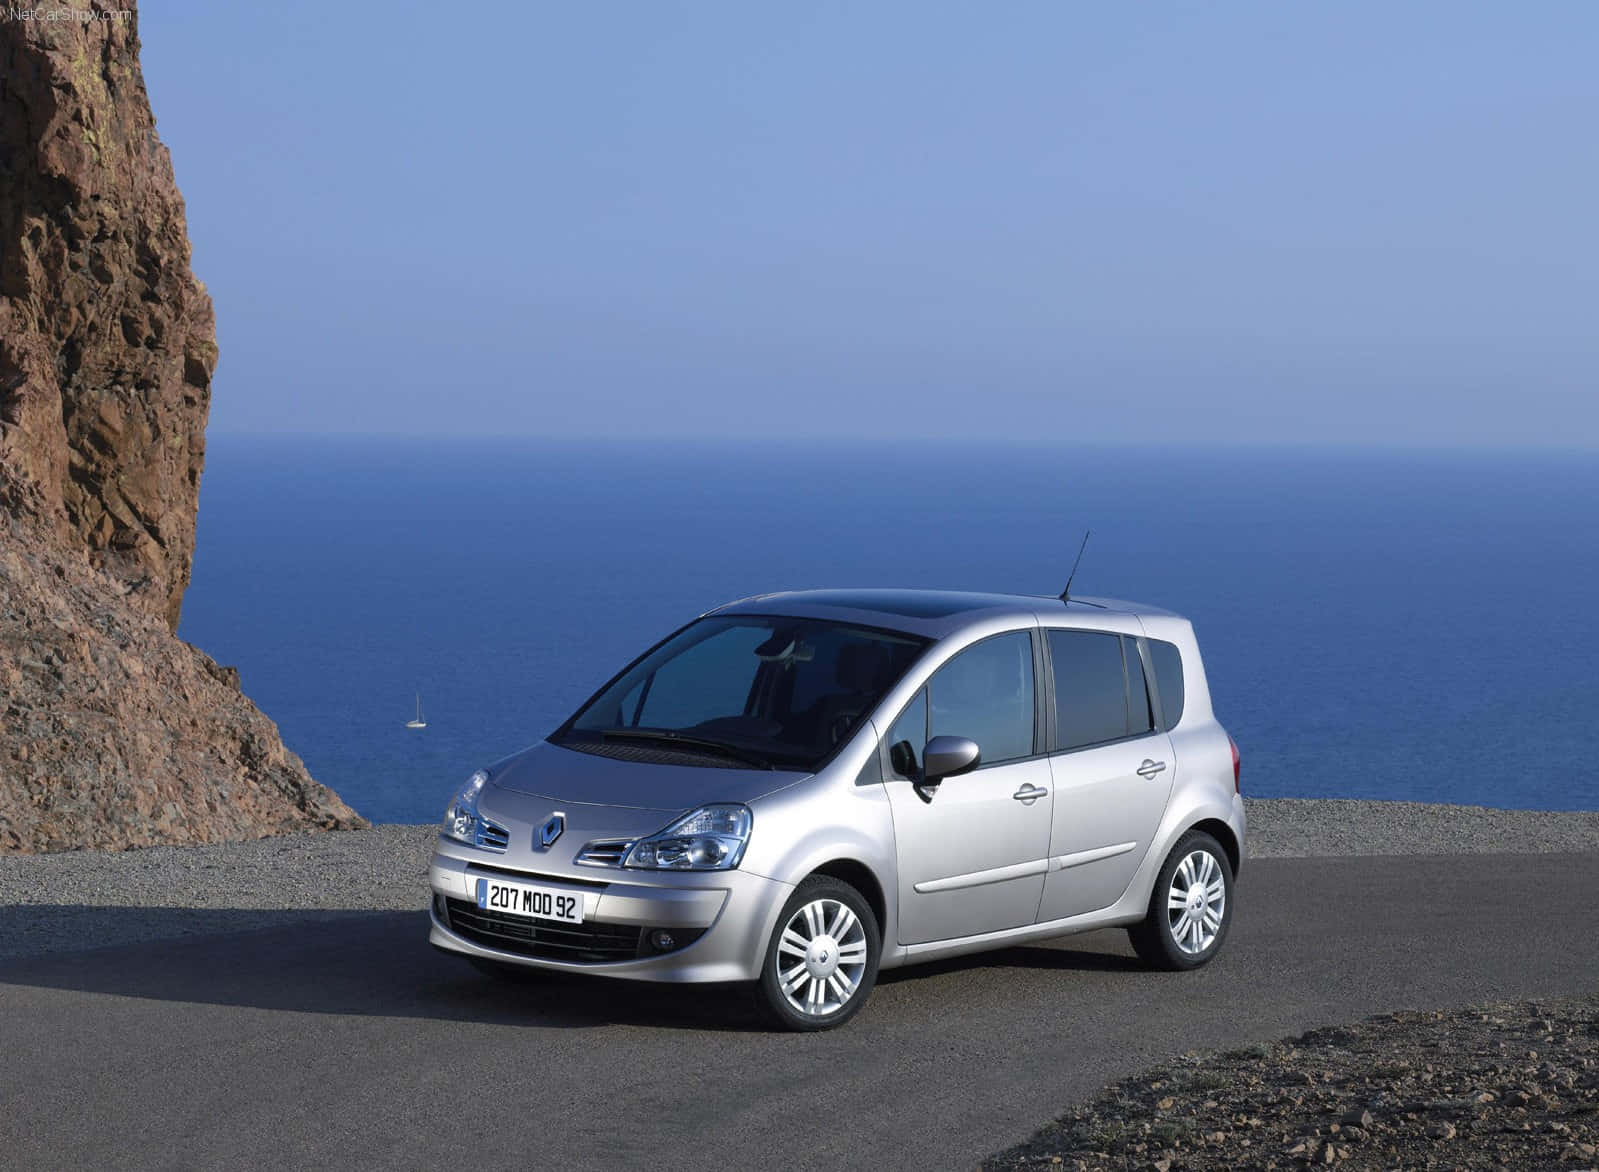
{"points": [[1021, 870]]}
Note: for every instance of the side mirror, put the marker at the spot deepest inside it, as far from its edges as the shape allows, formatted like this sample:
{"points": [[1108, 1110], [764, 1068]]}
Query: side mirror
{"points": [[948, 756]]}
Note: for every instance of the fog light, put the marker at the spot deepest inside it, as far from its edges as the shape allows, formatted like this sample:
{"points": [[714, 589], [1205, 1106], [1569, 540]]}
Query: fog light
{"points": [[662, 941]]}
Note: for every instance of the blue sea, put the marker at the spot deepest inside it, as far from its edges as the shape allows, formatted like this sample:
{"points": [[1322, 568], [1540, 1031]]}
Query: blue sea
{"points": [[1376, 624]]}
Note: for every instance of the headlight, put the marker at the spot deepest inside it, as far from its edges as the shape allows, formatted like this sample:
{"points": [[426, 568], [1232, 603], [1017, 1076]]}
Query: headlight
{"points": [[712, 838], [460, 820]]}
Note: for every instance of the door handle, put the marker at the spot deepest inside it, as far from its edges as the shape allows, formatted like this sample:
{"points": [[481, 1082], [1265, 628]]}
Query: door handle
{"points": [[1149, 768], [1030, 794]]}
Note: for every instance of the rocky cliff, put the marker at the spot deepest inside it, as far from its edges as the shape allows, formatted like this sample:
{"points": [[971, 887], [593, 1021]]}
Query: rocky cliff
{"points": [[114, 732]]}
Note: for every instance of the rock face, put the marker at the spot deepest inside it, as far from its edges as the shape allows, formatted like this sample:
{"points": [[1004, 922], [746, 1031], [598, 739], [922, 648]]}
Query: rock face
{"points": [[107, 343], [114, 732], [118, 734]]}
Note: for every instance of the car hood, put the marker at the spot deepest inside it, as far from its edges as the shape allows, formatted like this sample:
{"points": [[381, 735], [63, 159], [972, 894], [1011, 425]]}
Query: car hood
{"points": [[571, 776]]}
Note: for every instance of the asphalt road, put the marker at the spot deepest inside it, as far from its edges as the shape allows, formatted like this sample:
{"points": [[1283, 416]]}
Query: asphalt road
{"points": [[345, 1040]]}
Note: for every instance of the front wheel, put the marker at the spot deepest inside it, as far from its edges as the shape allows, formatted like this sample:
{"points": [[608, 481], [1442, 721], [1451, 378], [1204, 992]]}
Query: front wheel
{"points": [[821, 961], [1191, 907]]}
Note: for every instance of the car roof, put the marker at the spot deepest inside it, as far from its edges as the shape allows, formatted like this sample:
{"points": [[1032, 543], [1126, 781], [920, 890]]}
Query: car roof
{"points": [[931, 613]]}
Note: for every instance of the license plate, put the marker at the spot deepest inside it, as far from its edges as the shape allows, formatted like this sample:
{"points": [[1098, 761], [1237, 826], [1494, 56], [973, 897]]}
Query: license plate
{"points": [[524, 899]]}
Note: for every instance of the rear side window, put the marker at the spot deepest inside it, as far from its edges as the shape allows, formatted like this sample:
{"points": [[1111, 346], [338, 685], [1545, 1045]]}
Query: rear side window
{"points": [[1168, 664], [1100, 691], [1090, 688]]}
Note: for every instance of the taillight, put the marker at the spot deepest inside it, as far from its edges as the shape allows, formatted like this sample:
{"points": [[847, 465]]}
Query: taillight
{"points": [[1236, 763]]}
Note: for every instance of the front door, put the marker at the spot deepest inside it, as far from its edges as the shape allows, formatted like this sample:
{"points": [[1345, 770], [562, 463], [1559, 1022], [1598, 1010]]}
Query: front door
{"points": [[973, 849], [1112, 770]]}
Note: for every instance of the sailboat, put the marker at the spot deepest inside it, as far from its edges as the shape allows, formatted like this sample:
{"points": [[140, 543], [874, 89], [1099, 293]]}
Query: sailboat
{"points": [[418, 722]]}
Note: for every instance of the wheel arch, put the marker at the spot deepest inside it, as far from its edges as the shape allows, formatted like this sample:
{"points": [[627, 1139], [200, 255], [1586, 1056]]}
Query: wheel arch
{"points": [[863, 879], [1223, 834]]}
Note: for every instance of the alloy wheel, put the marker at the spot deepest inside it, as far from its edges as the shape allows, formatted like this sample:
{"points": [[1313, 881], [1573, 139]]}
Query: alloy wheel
{"points": [[821, 957], [1196, 902]]}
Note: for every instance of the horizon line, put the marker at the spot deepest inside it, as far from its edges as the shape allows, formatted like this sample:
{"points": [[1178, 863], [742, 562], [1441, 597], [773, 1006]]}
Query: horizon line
{"points": [[791, 440]]}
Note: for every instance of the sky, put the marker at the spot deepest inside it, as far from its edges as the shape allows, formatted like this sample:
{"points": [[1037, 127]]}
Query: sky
{"points": [[1181, 223]]}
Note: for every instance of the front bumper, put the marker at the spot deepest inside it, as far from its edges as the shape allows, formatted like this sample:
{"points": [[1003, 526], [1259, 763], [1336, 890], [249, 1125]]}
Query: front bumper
{"points": [[734, 910]]}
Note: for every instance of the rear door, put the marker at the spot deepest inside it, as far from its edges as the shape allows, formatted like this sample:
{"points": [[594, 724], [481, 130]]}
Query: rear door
{"points": [[1111, 767]]}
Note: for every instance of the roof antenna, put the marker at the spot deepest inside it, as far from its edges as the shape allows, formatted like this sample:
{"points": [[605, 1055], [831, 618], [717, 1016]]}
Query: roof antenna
{"points": [[1066, 594]]}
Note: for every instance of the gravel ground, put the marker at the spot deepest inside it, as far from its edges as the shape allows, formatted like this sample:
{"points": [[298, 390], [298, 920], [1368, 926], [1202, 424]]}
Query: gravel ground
{"points": [[1298, 827], [81, 899], [1495, 1086], [78, 899]]}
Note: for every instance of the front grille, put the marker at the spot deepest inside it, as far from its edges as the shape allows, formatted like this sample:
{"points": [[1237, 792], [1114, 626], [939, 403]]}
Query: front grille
{"points": [[605, 853], [491, 837], [584, 943], [525, 876]]}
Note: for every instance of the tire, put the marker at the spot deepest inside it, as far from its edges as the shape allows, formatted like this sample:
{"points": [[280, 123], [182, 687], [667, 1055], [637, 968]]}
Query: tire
{"points": [[1169, 937], [515, 974], [813, 1000]]}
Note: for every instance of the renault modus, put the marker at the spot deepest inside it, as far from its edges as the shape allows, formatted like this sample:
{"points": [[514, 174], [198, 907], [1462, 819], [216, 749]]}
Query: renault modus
{"points": [[798, 790]]}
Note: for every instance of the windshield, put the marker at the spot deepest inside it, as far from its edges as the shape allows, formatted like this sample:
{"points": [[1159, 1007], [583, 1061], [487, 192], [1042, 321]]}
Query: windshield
{"points": [[746, 691]]}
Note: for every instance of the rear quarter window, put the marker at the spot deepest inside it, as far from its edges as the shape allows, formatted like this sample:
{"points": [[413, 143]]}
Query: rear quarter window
{"points": [[1168, 664]]}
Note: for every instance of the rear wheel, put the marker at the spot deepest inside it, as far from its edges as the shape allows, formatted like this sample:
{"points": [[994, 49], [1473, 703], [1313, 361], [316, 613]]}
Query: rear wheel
{"points": [[1191, 907], [821, 961]]}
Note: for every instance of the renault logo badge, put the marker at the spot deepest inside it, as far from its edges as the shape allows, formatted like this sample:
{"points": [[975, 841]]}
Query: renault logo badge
{"points": [[551, 831]]}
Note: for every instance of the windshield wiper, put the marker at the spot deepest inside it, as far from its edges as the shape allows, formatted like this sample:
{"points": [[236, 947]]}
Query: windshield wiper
{"points": [[666, 736]]}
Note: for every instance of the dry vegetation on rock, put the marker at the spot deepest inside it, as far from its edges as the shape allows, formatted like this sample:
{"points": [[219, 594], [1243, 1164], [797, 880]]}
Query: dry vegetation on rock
{"points": [[1500, 1086]]}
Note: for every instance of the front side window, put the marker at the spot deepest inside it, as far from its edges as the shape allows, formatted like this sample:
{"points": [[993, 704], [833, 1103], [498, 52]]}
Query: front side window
{"points": [[758, 690], [907, 738], [1100, 691], [985, 694]]}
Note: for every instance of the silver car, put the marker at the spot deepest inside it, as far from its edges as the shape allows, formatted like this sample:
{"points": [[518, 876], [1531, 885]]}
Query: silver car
{"points": [[798, 790]]}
